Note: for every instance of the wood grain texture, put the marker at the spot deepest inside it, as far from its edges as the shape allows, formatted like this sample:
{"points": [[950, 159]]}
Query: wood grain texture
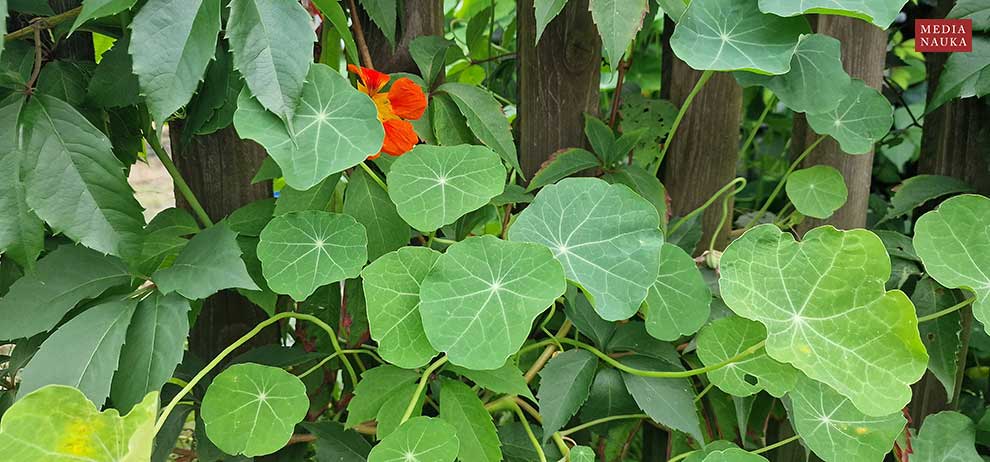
{"points": [[416, 18]]}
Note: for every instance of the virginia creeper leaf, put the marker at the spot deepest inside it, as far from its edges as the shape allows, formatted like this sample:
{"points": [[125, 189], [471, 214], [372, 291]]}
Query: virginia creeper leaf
{"points": [[22, 233], [728, 337], [678, 302], [545, 11], [375, 387], [617, 21], [977, 10], [113, 83], [383, 13], [964, 76], [608, 397], [209, 263], [334, 443], [507, 379], [370, 205], [565, 384], [93, 9], [941, 335], [917, 190], [862, 118], [669, 402], [817, 191], [422, 439], [485, 118], [461, 408], [562, 164]]}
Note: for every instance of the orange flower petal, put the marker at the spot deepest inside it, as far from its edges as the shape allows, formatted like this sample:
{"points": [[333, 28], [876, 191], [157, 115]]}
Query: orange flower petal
{"points": [[372, 79], [399, 137], [407, 99]]}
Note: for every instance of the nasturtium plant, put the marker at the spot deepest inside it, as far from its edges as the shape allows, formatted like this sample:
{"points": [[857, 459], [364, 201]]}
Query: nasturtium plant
{"points": [[422, 439], [817, 191], [678, 302], [862, 118], [879, 12], [728, 337]]}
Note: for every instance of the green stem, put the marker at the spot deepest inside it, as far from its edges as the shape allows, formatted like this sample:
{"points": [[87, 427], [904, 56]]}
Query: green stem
{"points": [[783, 181], [244, 339], [48, 23], [704, 391], [180, 182], [951, 309], [429, 241], [374, 176], [776, 445], [756, 128], [529, 432], [705, 76], [329, 358], [741, 182], [592, 423], [422, 386]]}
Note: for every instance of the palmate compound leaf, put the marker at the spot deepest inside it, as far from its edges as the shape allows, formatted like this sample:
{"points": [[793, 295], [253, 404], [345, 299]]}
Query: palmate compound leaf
{"points": [[733, 455], [941, 335], [485, 118], [727, 337], [433, 186], [92, 9], [507, 379], [303, 251], [817, 191], [391, 289], [731, 35], [210, 262], [954, 244], [480, 300], [879, 12], [835, 430], [826, 311], [78, 431], [252, 409], [679, 300], [862, 118], [370, 205], [421, 439], [565, 384], [607, 238], [965, 75], [336, 127], [669, 402], [946, 437], [22, 233], [460, 407]]}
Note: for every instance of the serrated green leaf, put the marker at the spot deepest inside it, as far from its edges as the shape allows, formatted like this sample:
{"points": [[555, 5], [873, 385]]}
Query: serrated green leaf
{"points": [[331, 113], [78, 431], [391, 288], [370, 205], [507, 379], [334, 13], [546, 10], [302, 251], [383, 14], [728, 337], [606, 237], [479, 302], [421, 439], [251, 219], [617, 21], [669, 402], [941, 335], [433, 186], [579, 310], [962, 75], [272, 43], [210, 262], [731, 35], [169, 67], [517, 446], [375, 387], [22, 233], [678, 302], [880, 12], [608, 397], [644, 183], [93, 9], [65, 80], [944, 437], [335, 444], [562, 164], [565, 384], [83, 353], [485, 118], [113, 83], [977, 10], [316, 198], [817, 191], [66, 276], [819, 299], [74, 182], [449, 125], [733, 455], [917, 190], [461, 408], [252, 409], [429, 52], [389, 417], [862, 118], [953, 243], [154, 345], [654, 115]]}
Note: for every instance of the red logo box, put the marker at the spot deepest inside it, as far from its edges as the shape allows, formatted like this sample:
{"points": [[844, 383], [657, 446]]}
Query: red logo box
{"points": [[943, 35]]}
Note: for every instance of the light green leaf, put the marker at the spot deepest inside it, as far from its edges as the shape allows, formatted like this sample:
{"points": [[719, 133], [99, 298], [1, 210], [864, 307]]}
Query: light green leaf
{"points": [[74, 182], [880, 12], [389, 417], [953, 243], [480, 300], [941, 335], [731, 35], [617, 21], [461, 408], [391, 289], [250, 219], [155, 342], [334, 13], [429, 52], [376, 386], [66, 276], [252, 409], [817, 191], [22, 233], [421, 439], [962, 75], [303, 251], [669, 402], [678, 302], [917, 190], [209, 263], [336, 444], [485, 118], [835, 430], [383, 14], [83, 353], [977, 10], [546, 10], [728, 337], [819, 299], [93, 9], [733, 455], [607, 238], [565, 384], [507, 379], [78, 431], [171, 44], [336, 128], [862, 118], [816, 82], [433, 186], [946, 437], [113, 83], [370, 205], [582, 454], [272, 43], [608, 397], [316, 198], [562, 164]]}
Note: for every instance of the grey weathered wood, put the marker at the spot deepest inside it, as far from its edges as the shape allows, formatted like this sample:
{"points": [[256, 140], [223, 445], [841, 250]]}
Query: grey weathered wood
{"points": [[416, 18]]}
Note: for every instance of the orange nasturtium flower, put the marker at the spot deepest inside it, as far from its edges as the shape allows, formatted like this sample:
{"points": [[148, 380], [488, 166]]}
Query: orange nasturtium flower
{"points": [[404, 101]]}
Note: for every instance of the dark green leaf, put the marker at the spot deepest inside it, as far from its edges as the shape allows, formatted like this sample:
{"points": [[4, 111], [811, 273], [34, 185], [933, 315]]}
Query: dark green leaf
{"points": [[250, 219], [485, 118], [429, 52], [383, 14], [376, 386], [941, 336], [562, 164], [335, 444], [461, 408], [22, 233], [209, 263], [669, 402], [917, 190], [608, 397], [370, 205], [315, 198], [93, 9], [507, 379], [565, 384]]}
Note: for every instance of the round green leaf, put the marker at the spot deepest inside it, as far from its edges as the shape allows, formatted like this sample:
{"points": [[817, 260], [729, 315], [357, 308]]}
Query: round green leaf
{"points": [[418, 440], [727, 337], [679, 300], [607, 237], [817, 191], [733, 455], [826, 311], [391, 290], [252, 409], [480, 300], [303, 251], [730, 35], [336, 127], [946, 437], [862, 118], [879, 12], [954, 244], [433, 186]]}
